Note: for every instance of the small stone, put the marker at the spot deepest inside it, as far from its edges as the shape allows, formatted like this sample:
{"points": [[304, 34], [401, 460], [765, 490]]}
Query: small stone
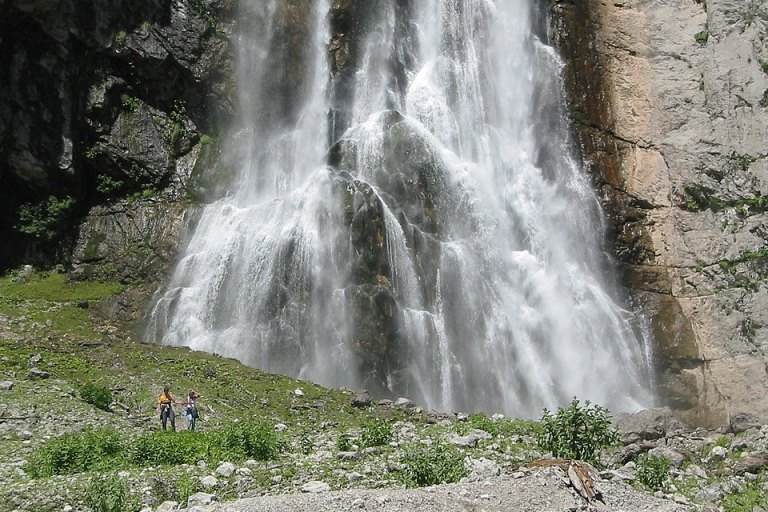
{"points": [[202, 464], [673, 456], [6, 385], [35, 360], [277, 479], [298, 392], [518, 474], [281, 427], [167, 506], [354, 476], [244, 471], [497, 417], [25, 435], [36, 374], [717, 454], [252, 463], [67, 508], [358, 502], [385, 402], [462, 416], [225, 469], [200, 498], [83, 304], [348, 455], [123, 474], [209, 481], [315, 487], [403, 402]]}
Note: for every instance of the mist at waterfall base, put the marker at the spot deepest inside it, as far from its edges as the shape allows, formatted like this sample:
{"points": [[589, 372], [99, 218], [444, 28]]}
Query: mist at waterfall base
{"points": [[404, 213]]}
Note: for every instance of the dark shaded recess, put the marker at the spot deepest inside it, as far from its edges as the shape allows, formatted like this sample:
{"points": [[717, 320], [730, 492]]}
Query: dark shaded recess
{"points": [[52, 50]]}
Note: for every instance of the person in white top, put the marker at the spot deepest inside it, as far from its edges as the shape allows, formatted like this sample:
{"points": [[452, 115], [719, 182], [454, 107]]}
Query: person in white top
{"points": [[191, 412]]}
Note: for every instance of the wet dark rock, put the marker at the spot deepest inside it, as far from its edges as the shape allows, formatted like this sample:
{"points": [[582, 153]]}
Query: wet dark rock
{"points": [[361, 400], [37, 374], [743, 421]]}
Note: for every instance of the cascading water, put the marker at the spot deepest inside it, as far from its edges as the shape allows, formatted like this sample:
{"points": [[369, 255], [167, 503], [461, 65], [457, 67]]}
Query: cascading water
{"points": [[443, 246]]}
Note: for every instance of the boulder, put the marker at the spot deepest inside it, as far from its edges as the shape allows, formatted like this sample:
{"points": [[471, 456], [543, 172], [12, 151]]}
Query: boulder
{"points": [[225, 469], [315, 487], [209, 481], [200, 499], [673, 456], [37, 374], [362, 399], [751, 463], [743, 421], [6, 385]]}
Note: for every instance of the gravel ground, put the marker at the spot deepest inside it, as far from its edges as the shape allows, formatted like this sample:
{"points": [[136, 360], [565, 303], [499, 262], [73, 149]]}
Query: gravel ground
{"points": [[539, 490]]}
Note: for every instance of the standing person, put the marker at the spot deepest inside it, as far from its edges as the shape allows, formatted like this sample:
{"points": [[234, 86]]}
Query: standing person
{"points": [[165, 405], [191, 412]]}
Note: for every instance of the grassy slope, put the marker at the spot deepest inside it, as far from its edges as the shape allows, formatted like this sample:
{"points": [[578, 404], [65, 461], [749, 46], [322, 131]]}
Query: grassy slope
{"points": [[45, 315]]}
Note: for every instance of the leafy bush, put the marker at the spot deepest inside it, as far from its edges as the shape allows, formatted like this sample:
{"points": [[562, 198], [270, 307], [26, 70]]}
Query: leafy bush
{"points": [[98, 396], [652, 471], [343, 443], [76, 452], [45, 220], [432, 465], [577, 432], [251, 439], [110, 494], [376, 433], [186, 487], [167, 448], [751, 497]]}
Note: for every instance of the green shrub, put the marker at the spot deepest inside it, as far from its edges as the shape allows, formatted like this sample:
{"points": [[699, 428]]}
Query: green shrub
{"points": [[168, 448], [652, 472], [107, 185], [45, 220], [577, 432], [98, 396], [251, 439], [76, 452], [750, 498], [186, 487], [432, 465], [343, 443], [376, 433], [110, 494]]}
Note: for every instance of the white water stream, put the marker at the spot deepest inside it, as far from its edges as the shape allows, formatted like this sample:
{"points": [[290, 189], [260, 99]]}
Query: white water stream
{"points": [[481, 227]]}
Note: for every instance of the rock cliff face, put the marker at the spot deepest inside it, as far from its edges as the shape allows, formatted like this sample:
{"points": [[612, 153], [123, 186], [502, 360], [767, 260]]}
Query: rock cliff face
{"points": [[108, 109], [106, 103], [671, 103]]}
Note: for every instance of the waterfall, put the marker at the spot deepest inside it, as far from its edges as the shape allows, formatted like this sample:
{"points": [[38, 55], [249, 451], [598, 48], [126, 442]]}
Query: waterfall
{"points": [[410, 218]]}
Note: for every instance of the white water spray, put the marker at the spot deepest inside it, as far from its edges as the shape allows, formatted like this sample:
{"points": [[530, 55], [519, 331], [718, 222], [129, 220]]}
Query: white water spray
{"points": [[446, 248]]}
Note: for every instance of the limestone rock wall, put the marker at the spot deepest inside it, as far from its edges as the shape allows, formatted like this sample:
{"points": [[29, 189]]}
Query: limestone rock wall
{"points": [[104, 107], [670, 98]]}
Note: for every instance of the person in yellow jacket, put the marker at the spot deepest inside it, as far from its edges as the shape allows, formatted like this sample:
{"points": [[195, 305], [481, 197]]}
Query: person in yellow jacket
{"points": [[165, 405]]}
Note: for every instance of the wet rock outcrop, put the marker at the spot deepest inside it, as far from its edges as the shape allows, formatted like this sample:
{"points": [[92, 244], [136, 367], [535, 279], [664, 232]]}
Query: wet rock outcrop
{"points": [[105, 105], [670, 102]]}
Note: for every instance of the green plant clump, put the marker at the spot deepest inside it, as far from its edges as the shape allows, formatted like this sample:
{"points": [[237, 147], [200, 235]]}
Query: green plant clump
{"points": [[168, 448], [251, 439], [45, 220], [432, 465], [702, 37], [376, 433], [577, 432], [76, 452], [652, 472], [111, 493], [343, 443], [748, 499], [98, 396]]}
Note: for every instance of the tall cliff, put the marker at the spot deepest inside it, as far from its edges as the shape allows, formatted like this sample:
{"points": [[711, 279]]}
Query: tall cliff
{"points": [[109, 108], [670, 99]]}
